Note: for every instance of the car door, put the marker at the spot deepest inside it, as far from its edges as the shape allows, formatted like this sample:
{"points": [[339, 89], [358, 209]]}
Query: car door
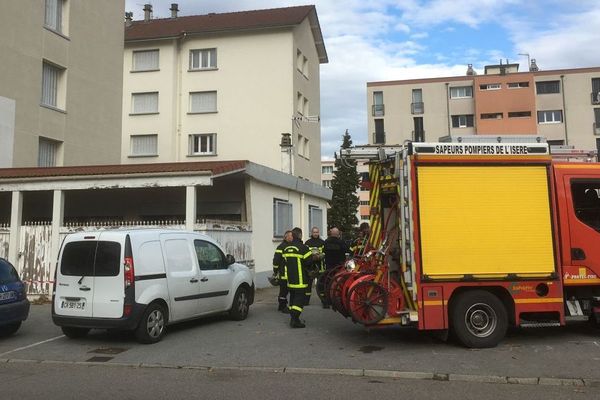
{"points": [[74, 289], [183, 277], [582, 255], [216, 279], [109, 286]]}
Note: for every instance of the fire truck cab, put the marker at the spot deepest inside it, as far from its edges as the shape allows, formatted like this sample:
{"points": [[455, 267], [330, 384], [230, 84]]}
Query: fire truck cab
{"points": [[474, 238]]}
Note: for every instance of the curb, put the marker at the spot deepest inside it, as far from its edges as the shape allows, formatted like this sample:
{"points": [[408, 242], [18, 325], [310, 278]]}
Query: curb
{"points": [[371, 373]]}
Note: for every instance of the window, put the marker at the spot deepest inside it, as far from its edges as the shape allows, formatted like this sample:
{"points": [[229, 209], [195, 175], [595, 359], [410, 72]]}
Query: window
{"points": [[326, 183], [91, 258], [546, 87], [299, 103], [516, 85], [379, 135], [178, 256], [378, 108], [203, 144], [203, 102], [203, 59], [586, 201], [305, 108], [306, 147], [549, 117], [53, 15], [519, 114], [596, 121], [305, 67], [146, 60], [365, 217], [419, 130], [491, 116], [144, 145], [460, 92], [8, 273], [462, 121], [417, 106], [47, 152], [595, 90], [282, 217], [555, 142], [327, 169], [490, 86], [210, 257], [364, 202], [302, 63], [144, 103], [315, 218], [51, 85]]}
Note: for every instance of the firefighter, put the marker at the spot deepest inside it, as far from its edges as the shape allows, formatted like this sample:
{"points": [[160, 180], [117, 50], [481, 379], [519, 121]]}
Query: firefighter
{"points": [[298, 259], [316, 245], [358, 247], [280, 273], [335, 250]]}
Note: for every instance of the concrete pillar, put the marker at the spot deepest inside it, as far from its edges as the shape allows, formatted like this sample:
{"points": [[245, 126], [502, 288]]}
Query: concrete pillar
{"points": [[190, 207], [58, 212], [16, 216]]}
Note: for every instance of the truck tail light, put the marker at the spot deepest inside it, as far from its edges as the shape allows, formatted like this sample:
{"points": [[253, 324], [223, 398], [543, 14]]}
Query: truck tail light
{"points": [[129, 272]]}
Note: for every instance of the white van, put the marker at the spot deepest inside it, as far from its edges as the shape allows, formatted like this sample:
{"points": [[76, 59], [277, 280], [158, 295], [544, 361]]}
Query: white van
{"points": [[143, 280]]}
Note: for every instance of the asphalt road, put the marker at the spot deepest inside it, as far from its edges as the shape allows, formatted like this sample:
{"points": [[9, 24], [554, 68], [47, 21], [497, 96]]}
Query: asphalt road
{"points": [[27, 381], [329, 342]]}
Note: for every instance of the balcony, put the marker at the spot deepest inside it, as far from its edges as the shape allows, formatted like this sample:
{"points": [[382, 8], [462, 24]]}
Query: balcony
{"points": [[378, 137], [417, 108], [595, 98], [378, 110], [596, 128]]}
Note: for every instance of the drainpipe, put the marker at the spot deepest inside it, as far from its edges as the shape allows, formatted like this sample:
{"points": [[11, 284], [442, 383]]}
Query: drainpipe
{"points": [[178, 101], [562, 84], [448, 106]]}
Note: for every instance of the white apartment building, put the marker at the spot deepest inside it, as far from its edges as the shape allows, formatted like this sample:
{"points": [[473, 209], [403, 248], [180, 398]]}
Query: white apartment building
{"points": [[224, 87], [363, 210], [60, 82]]}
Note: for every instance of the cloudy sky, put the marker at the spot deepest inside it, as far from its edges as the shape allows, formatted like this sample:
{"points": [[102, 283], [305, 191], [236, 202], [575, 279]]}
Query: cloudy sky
{"points": [[378, 40]]}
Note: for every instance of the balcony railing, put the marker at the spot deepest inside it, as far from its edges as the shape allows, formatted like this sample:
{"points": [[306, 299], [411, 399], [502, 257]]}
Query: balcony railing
{"points": [[417, 108], [378, 110], [596, 128], [378, 137], [595, 97], [418, 136]]}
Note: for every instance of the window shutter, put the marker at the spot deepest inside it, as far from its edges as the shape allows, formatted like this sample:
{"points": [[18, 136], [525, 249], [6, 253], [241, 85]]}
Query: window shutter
{"points": [[145, 103], [53, 14], [315, 218], [144, 145], [47, 153], [203, 102], [49, 84], [282, 217], [455, 121], [145, 60]]}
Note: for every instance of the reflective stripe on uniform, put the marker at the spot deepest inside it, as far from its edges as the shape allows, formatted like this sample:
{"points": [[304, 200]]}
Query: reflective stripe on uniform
{"points": [[294, 286], [296, 308]]}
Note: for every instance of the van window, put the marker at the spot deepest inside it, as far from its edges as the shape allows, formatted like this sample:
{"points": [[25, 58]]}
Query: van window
{"points": [[209, 255], [8, 274], [91, 258], [178, 255], [586, 201]]}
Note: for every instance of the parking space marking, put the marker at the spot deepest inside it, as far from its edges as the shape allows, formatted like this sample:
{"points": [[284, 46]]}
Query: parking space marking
{"points": [[32, 345]]}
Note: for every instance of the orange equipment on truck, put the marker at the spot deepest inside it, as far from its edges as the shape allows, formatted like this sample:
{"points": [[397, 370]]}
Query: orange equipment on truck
{"points": [[474, 238]]}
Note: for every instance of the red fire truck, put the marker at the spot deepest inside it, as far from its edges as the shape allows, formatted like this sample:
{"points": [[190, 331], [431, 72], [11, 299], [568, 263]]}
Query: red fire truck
{"points": [[473, 238]]}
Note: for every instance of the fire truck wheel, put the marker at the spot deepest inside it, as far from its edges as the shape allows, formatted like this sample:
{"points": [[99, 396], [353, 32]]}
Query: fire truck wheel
{"points": [[479, 319]]}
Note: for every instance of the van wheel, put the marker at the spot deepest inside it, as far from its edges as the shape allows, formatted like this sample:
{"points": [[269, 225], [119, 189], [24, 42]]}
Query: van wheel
{"points": [[9, 329], [152, 325], [74, 333], [479, 319], [241, 305]]}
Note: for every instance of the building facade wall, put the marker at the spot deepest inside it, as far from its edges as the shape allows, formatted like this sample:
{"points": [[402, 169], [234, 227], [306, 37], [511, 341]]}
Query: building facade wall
{"points": [[86, 122], [256, 82]]}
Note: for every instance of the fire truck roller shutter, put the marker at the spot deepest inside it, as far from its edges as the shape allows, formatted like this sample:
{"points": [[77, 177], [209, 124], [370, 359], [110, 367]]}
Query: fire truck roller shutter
{"points": [[485, 221]]}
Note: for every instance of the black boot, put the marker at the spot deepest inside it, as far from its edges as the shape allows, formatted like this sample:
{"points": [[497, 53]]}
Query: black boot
{"points": [[283, 307], [297, 323]]}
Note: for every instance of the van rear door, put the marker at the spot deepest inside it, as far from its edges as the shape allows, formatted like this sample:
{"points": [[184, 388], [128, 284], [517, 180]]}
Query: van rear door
{"points": [[109, 289], [75, 280]]}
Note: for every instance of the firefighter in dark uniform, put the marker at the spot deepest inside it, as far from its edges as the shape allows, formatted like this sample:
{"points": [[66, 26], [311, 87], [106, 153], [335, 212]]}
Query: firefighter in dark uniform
{"points": [[358, 246], [298, 260], [316, 245], [280, 273]]}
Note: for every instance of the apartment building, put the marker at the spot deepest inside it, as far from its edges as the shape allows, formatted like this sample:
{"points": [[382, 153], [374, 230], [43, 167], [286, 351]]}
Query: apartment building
{"points": [[561, 105], [224, 87], [60, 82]]}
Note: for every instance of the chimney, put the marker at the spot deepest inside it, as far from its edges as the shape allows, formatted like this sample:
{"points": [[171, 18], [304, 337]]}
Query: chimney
{"points": [[286, 153], [533, 67], [174, 9], [470, 70], [147, 12], [128, 18]]}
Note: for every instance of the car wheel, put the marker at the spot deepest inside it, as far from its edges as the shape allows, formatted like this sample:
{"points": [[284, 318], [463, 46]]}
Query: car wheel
{"points": [[9, 329], [152, 325], [241, 305], [74, 333], [479, 319]]}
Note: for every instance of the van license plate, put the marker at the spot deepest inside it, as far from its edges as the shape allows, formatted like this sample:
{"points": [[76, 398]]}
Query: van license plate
{"points": [[73, 305], [8, 296]]}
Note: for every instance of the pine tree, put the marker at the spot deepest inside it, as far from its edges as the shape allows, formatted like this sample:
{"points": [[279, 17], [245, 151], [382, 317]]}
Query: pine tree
{"points": [[344, 201]]}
